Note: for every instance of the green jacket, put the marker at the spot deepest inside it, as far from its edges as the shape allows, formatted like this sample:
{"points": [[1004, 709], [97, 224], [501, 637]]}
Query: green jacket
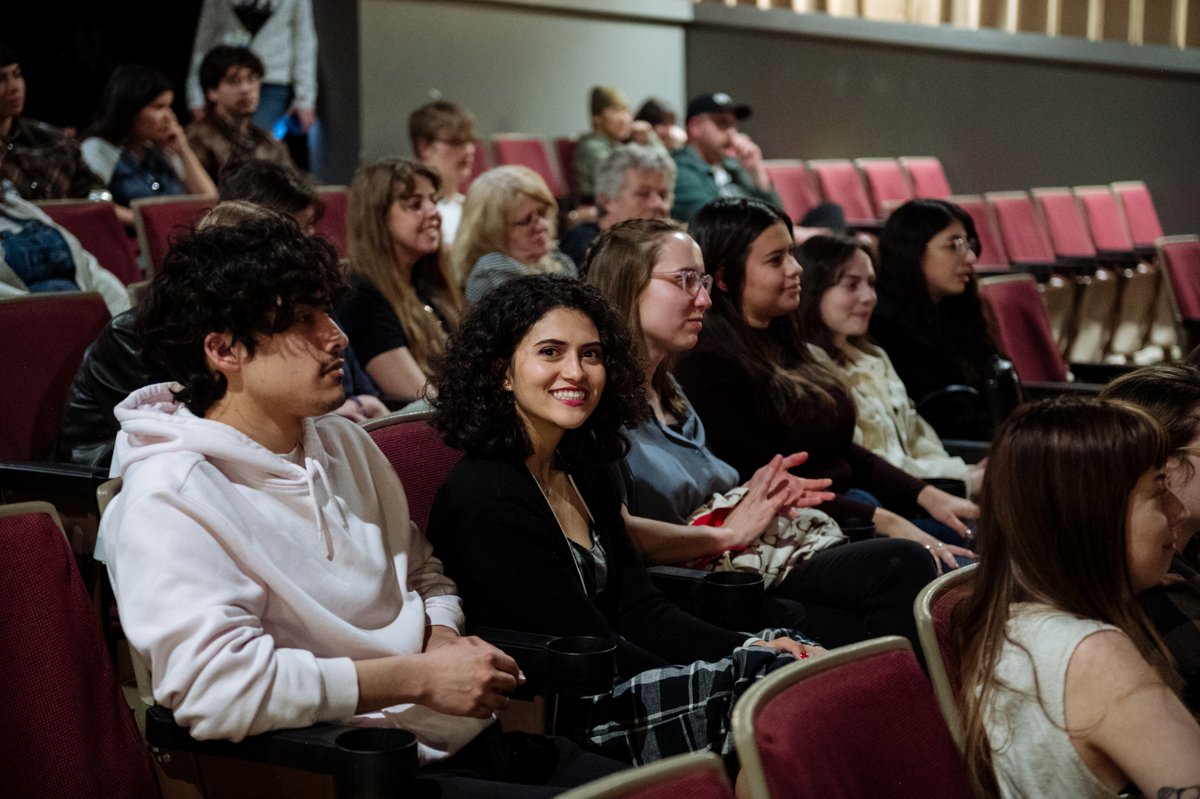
{"points": [[695, 185]]}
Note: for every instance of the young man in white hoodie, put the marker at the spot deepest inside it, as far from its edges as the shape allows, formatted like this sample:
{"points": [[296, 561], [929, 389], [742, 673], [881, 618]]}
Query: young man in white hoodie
{"points": [[261, 550]]}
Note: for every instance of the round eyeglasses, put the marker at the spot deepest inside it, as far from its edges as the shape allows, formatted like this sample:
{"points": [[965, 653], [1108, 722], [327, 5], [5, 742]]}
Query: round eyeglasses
{"points": [[689, 280]]}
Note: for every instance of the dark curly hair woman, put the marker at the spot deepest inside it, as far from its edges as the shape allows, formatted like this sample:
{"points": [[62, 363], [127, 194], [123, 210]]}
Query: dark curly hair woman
{"points": [[535, 385]]}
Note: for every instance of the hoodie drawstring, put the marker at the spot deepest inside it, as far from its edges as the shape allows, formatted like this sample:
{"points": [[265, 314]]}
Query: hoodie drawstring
{"points": [[312, 466]]}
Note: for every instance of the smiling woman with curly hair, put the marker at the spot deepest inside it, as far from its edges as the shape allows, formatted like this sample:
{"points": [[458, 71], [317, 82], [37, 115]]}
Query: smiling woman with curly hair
{"points": [[536, 385]]}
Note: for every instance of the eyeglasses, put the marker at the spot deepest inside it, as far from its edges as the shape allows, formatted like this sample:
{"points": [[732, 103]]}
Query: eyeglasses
{"points": [[689, 280], [532, 219], [455, 142], [961, 245]]}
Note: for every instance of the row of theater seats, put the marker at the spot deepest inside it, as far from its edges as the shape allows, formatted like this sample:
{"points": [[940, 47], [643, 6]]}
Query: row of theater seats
{"points": [[157, 221], [830, 726]]}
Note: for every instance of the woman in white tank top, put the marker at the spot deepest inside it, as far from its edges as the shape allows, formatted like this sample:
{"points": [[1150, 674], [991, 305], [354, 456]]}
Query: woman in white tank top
{"points": [[1067, 690]]}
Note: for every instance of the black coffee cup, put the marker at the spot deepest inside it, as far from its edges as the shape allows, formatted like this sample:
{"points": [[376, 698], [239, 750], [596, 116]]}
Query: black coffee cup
{"points": [[732, 599], [375, 762]]}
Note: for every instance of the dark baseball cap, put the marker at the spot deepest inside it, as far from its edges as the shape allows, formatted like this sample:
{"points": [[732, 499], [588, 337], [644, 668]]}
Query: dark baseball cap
{"points": [[716, 103]]}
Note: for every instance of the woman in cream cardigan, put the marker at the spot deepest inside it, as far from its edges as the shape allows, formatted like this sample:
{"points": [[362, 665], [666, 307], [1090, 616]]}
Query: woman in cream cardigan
{"points": [[836, 301]]}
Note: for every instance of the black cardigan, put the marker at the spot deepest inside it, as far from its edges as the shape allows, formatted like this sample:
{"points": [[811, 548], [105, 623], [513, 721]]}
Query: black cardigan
{"points": [[746, 430], [499, 541]]}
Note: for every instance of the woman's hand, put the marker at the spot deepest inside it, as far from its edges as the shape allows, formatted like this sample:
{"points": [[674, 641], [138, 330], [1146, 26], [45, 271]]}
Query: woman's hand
{"points": [[173, 137], [792, 647], [772, 491], [948, 509], [894, 526]]}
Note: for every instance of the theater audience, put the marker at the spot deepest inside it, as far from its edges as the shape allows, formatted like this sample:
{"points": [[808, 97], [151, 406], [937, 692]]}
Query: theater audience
{"points": [[403, 299], [444, 137], [535, 385], [1067, 689], [929, 318], [683, 505], [837, 296], [508, 229], [39, 160], [759, 391], [114, 366], [136, 145], [230, 78], [261, 549], [37, 254], [718, 160], [1171, 394], [612, 125], [633, 182]]}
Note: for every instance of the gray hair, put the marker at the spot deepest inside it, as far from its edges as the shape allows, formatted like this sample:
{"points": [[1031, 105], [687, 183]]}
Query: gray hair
{"points": [[610, 175]]}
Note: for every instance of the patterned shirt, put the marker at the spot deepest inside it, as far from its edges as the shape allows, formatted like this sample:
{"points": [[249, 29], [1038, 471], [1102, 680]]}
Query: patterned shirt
{"points": [[217, 142], [44, 164]]}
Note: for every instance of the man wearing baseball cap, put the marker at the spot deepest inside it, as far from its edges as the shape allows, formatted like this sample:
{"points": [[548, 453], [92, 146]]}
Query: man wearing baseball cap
{"points": [[718, 161]]}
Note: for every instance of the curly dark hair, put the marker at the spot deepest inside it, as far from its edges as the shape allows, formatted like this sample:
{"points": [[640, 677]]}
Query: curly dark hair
{"points": [[244, 280], [959, 324], [474, 412]]}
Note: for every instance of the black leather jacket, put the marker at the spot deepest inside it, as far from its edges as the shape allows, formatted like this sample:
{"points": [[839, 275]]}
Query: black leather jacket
{"points": [[113, 368]]}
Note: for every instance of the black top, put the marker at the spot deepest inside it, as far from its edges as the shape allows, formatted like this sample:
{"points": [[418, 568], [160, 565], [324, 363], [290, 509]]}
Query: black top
{"points": [[370, 322], [500, 542], [926, 368], [575, 241], [746, 430]]}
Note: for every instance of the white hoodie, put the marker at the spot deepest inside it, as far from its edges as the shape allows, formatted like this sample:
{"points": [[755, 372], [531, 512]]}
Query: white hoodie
{"points": [[250, 584]]}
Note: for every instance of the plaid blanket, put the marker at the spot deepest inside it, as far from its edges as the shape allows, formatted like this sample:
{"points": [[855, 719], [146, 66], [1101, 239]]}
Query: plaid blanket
{"points": [[673, 710]]}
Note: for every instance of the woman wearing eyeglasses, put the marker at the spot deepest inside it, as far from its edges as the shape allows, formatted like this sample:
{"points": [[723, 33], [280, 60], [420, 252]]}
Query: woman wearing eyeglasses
{"points": [[507, 230], [929, 318], [403, 300], [653, 274]]}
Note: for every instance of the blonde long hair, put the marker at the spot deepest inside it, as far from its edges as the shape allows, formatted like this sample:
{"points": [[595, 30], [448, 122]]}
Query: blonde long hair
{"points": [[485, 223], [372, 254]]}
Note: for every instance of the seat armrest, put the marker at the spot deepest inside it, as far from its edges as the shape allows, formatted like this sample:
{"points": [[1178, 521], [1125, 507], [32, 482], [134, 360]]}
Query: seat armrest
{"points": [[51, 477], [306, 749], [969, 451], [678, 583]]}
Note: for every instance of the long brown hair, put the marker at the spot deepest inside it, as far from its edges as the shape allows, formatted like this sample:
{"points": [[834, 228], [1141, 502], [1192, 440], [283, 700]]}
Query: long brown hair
{"points": [[799, 388], [1052, 529], [824, 259], [372, 254], [619, 263]]}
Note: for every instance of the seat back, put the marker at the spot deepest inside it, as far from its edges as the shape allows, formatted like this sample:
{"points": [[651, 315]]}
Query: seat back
{"points": [[992, 255], [795, 187], [45, 336], [96, 226], [1179, 257], [1106, 221], [1023, 327], [926, 175], [1065, 222], [530, 151], [70, 731], [859, 721], [887, 184], [418, 455], [840, 183], [1024, 237], [698, 775], [932, 608], [159, 220], [332, 225], [1138, 205], [564, 148]]}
